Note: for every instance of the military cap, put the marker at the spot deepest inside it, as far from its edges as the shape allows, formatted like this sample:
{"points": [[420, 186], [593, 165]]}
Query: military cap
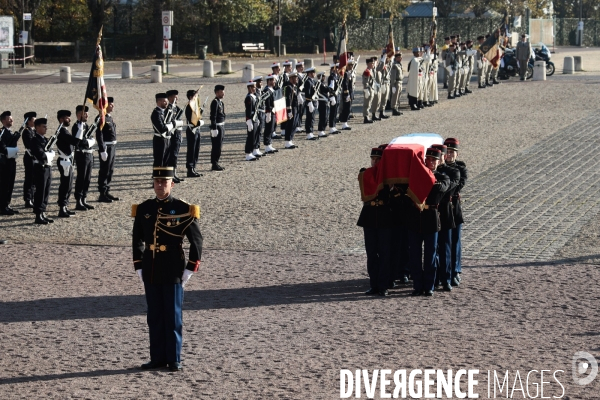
{"points": [[447, 38], [480, 37], [163, 173], [311, 69], [275, 65], [415, 50], [350, 61], [257, 78], [368, 60], [434, 153], [382, 146], [63, 113], [219, 87], [110, 99], [30, 114], [159, 96], [452, 37], [300, 64], [451, 143], [271, 76], [523, 35], [191, 93], [286, 63], [41, 121], [250, 83], [320, 73], [80, 108], [292, 74], [441, 147], [469, 42], [398, 54], [376, 152], [5, 114], [451, 45], [172, 93]]}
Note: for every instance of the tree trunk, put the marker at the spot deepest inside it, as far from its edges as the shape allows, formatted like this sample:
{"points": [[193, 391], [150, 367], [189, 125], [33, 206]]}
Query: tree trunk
{"points": [[215, 34]]}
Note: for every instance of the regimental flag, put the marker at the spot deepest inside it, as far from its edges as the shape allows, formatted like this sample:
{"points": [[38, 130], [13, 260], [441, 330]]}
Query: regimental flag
{"points": [[196, 108], [343, 51], [95, 92], [390, 49], [279, 108], [490, 50]]}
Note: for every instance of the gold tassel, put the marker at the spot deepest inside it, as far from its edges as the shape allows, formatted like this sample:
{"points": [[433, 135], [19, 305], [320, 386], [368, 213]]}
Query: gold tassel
{"points": [[133, 210], [195, 211]]}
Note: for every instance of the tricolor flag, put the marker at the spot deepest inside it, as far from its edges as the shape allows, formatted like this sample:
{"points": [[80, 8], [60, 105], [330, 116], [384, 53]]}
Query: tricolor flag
{"points": [[95, 92], [489, 48], [342, 51], [390, 49], [279, 108]]}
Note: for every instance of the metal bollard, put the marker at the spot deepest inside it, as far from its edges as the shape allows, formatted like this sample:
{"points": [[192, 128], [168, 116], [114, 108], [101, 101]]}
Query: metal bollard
{"points": [[155, 74], [208, 71], [225, 67], [65, 74], [578, 63], [539, 71], [126, 70], [568, 67], [248, 73]]}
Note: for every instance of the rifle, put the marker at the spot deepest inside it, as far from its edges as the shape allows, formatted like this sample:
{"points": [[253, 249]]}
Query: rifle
{"points": [[279, 80], [260, 102], [169, 114], [15, 138], [52, 139], [315, 95], [302, 82], [202, 108], [91, 129]]}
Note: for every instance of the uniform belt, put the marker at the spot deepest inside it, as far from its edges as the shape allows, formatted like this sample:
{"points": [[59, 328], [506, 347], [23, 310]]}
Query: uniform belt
{"points": [[110, 143], [85, 151], [375, 203], [161, 247], [64, 156], [162, 135], [220, 124]]}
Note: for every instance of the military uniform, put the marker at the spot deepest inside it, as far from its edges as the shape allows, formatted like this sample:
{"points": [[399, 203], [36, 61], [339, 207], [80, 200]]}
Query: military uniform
{"points": [[333, 84], [290, 92], [158, 230], [451, 65], [176, 135], [217, 129], [443, 52], [346, 100], [250, 102], [470, 63], [323, 105], [42, 173], [377, 80], [8, 166], [400, 205], [396, 76], [311, 105], [384, 90], [368, 82], [28, 185], [66, 144], [482, 64], [84, 161], [163, 128], [270, 120], [192, 138], [107, 149]]}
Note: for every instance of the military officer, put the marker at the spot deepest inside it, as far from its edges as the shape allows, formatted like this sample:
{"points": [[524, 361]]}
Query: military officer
{"points": [[368, 82], [192, 137], [451, 70], [301, 102], [84, 160], [217, 127], [107, 149], [270, 120], [309, 93], [443, 52], [159, 261], [482, 64], [42, 171], [333, 84], [28, 132], [161, 118], [260, 112], [423, 228], [290, 92], [396, 76], [346, 97], [176, 135], [323, 103], [451, 160], [384, 70], [415, 77], [8, 163], [251, 126]]}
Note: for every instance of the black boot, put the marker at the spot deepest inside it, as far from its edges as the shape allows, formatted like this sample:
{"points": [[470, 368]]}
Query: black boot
{"points": [[40, 220], [46, 218], [80, 206], [382, 115], [368, 121], [396, 112], [374, 118], [64, 213], [110, 196], [86, 205], [191, 173], [28, 204], [217, 167], [467, 91], [103, 198]]}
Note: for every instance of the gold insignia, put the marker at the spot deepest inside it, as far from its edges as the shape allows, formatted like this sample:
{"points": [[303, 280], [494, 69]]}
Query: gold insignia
{"points": [[147, 215]]}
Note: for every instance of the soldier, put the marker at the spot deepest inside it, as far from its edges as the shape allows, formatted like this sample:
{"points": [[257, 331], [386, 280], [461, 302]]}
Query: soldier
{"points": [[482, 64], [384, 69], [346, 97], [28, 132], [309, 93], [451, 68], [84, 160], [217, 127], [415, 77], [333, 84], [159, 261], [8, 163], [163, 128], [490, 67], [444, 252], [290, 92], [377, 77], [400, 206], [270, 120], [260, 112], [423, 228], [176, 135], [451, 160], [107, 148], [444, 51], [470, 64], [461, 56], [278, 84], [396, 76], [250, 102], [323, 104], [42, 171], [287, 70], [523, 55], [352, 81], [192, 137], [368, 82], [301, 105], [432, 86]]}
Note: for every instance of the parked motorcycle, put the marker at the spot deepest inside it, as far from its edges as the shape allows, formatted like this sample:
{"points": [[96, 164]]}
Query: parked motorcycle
{"points": [[510, 67], [543, 54]]}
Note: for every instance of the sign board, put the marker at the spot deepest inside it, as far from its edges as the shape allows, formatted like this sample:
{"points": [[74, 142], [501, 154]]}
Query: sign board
{"points": [[26, 16], [277, 30], [167, 18], [167, 32], [517, 22], [167, 46], [23, 37], [580, 26], [434, 11]]}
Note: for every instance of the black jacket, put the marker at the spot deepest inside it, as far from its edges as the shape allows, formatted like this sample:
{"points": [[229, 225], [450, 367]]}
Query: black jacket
{"points": [[217, 113], [37, 147], [291, 99], [164, 262], [456, 201], [250, 103], [158, 121], [66, 142], [377, 213], [446, 208], [428, 220]]}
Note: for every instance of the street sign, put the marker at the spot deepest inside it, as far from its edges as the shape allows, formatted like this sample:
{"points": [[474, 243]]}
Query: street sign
{"points": [[26, 16], [23, 37], [167, 46], [517, 22], [434, 11], [167, 18], [277, 30], [580, 26], [167, 32]]}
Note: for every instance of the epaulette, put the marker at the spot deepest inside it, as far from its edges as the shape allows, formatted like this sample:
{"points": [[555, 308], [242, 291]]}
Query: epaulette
{"points": [[367, 72], [195, 211], [133, 210], [445, 47]]}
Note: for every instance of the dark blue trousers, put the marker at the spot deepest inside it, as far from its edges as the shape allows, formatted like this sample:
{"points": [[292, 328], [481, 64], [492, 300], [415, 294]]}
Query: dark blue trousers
{"points": [[445, 256], [400, 266], [164, 321], [456, 250], [378, 245], [290, 126], [422, 244]]}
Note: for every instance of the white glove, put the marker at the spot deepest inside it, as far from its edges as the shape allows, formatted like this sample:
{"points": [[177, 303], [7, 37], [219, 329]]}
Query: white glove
{"points": [[104, 156], [139, 274], [332, 101], [367, 93], [383, 57], [479, 65], [268, 117], [311, 106], [90, 143], [394, 90], [178, 123], [187, 274], [66, 164], [169, 126], [49, 156], [214, 133], [249, 125], [201, 123], [300, 99], [12, 152], [290, 115]]}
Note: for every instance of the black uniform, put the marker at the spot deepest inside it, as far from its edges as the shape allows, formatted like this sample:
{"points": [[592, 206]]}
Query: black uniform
{"points": [[107, 140], [8, 168], [28, 184], [42, 172], [260, 118], [250, 105], [84, 161], [271, 125], [444, 275], [66, 144], [158, 231], [346, 89], [192, 136], [323, 101], [290, 92], [455, 263], [175, 143], [217, 122], [162, 137], [401, 205], [309, 92], [332, 82]]}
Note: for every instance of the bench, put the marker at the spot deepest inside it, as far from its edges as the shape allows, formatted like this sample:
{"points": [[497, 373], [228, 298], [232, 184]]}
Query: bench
{"points": [[254, 48]]}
